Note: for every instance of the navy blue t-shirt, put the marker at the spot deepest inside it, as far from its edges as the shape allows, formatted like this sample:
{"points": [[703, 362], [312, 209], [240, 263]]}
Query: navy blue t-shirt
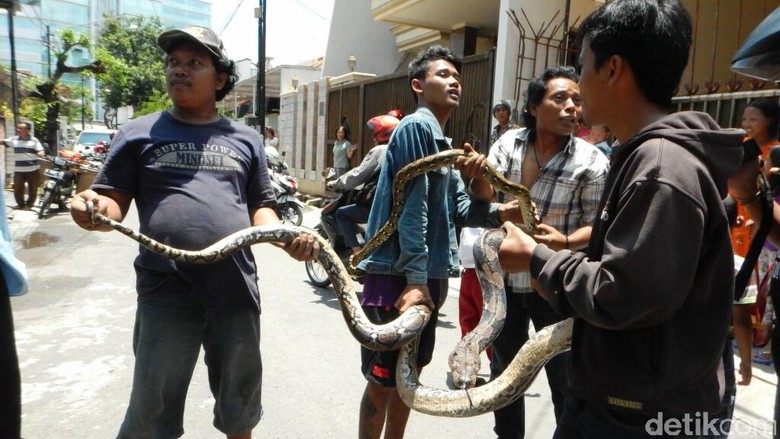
{"points": [[192, 185]]}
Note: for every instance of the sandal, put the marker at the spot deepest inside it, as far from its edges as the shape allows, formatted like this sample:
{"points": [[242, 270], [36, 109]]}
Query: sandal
{"points": [[763, 357]]}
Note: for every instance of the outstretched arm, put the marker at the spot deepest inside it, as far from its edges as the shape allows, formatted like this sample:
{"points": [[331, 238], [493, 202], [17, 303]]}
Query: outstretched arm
{"points": [[556, 240], [110, 203], [472, 166], [303, 248], [743, 333]]}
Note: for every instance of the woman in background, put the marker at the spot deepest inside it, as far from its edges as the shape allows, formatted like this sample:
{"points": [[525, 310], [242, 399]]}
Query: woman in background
{"points": [[343, 150], [270, 138], [760, 122]]}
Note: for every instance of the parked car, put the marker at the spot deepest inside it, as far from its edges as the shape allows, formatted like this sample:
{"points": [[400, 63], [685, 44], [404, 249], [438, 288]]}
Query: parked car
{"points": [[87, 139]]}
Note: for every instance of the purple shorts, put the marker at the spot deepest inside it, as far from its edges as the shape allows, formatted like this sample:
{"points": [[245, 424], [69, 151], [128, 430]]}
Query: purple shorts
{"points": [[380, 291]]}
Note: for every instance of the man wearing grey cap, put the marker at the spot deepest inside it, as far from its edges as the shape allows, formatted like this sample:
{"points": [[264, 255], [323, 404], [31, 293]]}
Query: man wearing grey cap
{"points": [[196, 177], [502, 111]]}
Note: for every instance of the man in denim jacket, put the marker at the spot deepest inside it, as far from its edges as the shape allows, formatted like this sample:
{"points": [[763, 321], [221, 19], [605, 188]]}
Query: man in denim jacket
{"points": [[412, 266]]}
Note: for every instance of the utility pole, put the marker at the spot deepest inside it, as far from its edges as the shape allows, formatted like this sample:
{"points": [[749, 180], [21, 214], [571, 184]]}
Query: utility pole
{"points": [[83, 95], [9, 6], [48, 48], [260, 96]]}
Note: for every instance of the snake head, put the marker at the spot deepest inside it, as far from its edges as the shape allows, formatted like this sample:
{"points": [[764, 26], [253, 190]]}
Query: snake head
{"points": [[465, 363], [90, 206]]}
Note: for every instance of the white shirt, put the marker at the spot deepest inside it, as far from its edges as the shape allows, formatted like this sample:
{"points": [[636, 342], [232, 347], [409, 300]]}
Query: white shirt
{"points": [[24, 153]]}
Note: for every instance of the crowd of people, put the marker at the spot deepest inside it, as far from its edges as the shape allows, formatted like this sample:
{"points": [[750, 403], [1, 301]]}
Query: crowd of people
{"points": [[610, 209]]}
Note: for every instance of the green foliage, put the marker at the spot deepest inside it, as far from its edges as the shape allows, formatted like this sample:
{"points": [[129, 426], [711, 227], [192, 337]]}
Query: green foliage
{"points": [[158, 101], [6, 112], [45, 97], [70, 101], [67, 41], [34, 110], [128, 49]]}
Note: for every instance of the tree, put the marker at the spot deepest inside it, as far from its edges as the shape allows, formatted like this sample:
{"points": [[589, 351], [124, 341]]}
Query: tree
{"points": [[133, 61], [157, 102], [49, 90], [72, 102]]}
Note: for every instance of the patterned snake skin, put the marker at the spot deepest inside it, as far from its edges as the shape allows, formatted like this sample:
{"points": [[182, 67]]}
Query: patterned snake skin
{"points": [[464, 361], [386, 337], [429, 163], [498, 393], [402, 332]]}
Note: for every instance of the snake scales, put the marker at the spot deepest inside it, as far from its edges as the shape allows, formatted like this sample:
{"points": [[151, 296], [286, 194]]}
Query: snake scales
{"points": [[429, 163], [464, 360], [402, 332], [378, 337]]}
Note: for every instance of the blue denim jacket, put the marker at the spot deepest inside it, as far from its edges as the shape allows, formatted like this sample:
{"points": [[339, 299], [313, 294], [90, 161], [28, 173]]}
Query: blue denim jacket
{"points": [[13, 269], [424, 244]]}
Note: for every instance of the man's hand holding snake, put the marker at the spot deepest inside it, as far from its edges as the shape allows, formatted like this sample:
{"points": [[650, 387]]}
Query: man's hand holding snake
{"points": [[471, 164], [512, 212], [515, 252], [414, 295], [82, 216], [303, 248]]}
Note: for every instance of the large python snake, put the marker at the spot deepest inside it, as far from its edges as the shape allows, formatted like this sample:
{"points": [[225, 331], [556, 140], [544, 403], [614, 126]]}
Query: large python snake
{"points": [[429, 163], [389, 336], [464, 360], [402, 332], [498, 393]]}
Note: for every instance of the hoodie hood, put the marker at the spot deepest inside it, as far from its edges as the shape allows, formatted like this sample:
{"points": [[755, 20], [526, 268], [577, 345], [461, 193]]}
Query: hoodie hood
{"points": [[719, 149]]}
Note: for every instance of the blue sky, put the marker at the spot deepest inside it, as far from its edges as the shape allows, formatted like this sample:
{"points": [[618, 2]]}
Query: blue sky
{"points": [[296, 30]]}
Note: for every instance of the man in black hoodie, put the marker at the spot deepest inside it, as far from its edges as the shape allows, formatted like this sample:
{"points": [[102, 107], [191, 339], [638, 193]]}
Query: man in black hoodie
{"points": [[652, 294]]}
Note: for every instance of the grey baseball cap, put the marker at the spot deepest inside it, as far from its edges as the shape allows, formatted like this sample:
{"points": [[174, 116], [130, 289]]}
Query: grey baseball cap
{"points": [[206, 37], [502, 103]]}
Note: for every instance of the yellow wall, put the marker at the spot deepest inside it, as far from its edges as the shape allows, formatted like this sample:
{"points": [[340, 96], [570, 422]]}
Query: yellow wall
{"points": [[720, 28]]}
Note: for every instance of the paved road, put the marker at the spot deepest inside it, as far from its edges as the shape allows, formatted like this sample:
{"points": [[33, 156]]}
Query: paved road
{"points": [[74, 331]]}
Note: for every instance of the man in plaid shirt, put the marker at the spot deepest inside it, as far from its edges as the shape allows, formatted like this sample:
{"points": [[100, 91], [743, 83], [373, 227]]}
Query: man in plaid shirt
{"points": [[566, 176]]}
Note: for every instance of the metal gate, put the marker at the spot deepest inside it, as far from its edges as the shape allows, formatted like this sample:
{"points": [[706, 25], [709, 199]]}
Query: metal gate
{"points": [[354, 104]]}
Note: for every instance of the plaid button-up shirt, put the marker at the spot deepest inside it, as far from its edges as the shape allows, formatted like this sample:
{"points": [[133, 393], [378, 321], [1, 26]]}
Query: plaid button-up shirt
{"points": [[566, 192]]}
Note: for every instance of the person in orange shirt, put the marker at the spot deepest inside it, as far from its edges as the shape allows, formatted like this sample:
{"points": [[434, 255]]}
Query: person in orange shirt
{"points": [[760, 122]]}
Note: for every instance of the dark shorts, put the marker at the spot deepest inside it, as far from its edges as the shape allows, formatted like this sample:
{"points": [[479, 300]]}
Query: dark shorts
{"points": [[170, 329], [379, 367]]}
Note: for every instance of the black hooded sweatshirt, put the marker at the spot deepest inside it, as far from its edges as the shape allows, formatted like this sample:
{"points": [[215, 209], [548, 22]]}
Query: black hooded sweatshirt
{"points": [[652, 295]]}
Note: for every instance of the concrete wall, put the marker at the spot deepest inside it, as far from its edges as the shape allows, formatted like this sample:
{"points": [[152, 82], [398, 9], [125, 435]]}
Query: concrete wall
{"points": [[353, 31], [302, 123], [508, 46]]}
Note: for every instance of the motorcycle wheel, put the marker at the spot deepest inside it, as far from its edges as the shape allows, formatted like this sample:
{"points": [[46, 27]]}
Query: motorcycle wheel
{"points": [[45, 201], [317, 274], [291, 214]]}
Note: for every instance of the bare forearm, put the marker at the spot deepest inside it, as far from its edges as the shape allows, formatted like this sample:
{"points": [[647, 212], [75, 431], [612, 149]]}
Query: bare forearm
{"points": [[743, 331], [579, 238], [112, 204], [264, 215], [480, 189]]}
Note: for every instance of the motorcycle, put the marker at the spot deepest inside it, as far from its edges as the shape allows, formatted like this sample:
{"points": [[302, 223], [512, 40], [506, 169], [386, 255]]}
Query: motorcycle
{"points": [[275, 161], [327, 228], [288, 208], [95, 157], [59, 186]]}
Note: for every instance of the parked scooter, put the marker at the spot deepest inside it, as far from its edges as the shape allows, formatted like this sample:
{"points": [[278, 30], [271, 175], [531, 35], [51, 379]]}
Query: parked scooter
{"points": [[328, 229], [59, 186], [276, 161], [288, 208]]}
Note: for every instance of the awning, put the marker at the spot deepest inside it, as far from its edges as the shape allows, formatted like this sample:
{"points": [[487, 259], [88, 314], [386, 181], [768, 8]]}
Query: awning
{"points": [[759, 57]]}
